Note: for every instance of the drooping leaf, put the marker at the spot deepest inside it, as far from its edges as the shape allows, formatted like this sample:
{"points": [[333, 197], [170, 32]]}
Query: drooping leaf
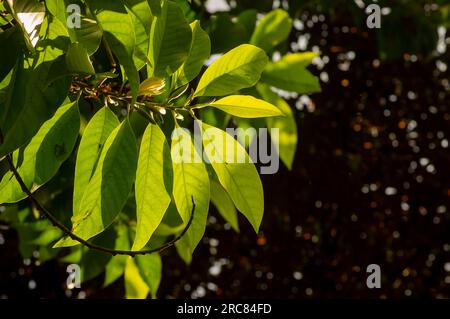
{"points": [[142, 18], [150, 269], [89, 33], [170, 40], [42, 157], [118, 30], [199, 52], [190, 184], [290, 74], [153, 182], [246, 106], [224, 204], [116, 266], [272, 29], [240, 68], [236, 173], [287, 126], [110, 185], [135, 286], [94, 137]]}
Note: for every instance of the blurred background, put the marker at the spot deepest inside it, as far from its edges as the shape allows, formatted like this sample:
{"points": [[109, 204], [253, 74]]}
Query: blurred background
{"points": [[370, 183]]}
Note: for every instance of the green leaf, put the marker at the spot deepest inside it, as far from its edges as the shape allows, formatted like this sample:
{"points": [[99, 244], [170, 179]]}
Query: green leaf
{"points": [[226, 32], [199, 52], [116, 266], [246, 106], [155, 6], [224, 204], [150, 269], [153, 181], [77, 59], [10, 43], [118, 30], [248, 19], [89, 34], [30, 102], [141, 10], [57, 8], [170, 40], [286, 142], [290, 74], [142, 18], [94, 137], [236, 173], [135, 286], [42, 157], [190, 183], [273, 29], [240, 68], [110, 185]]}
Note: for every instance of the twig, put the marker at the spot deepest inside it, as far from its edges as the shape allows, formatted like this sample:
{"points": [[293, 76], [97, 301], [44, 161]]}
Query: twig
{"points": [[69, 233]]}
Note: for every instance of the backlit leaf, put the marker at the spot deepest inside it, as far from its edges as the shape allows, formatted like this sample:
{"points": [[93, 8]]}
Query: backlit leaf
{"points": [[153, 181], [240, 68], [246, 106]]}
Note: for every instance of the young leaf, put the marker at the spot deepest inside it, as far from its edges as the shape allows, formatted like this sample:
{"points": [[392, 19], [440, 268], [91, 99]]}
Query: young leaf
{"points": [[118, 30], [153, 182], [224, 204], [150, 269], [43, 156], [190, 183], [239, 68], [236, 173], [287, 126], [110, 185], [290, 74], [135, 286], [246, 106], [273, 29], [170, 40], [199, 52], [94, 137]]}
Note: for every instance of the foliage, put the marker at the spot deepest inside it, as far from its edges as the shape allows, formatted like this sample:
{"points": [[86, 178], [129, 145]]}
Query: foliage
{"points": [[86, 116]]}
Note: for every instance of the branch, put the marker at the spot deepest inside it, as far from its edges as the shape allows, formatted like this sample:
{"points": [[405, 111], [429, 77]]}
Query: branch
{"points": [[69, 233]]}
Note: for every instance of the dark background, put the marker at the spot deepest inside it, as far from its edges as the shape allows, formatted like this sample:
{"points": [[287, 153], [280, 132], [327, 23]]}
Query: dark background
{"points": [[370, 183]]}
